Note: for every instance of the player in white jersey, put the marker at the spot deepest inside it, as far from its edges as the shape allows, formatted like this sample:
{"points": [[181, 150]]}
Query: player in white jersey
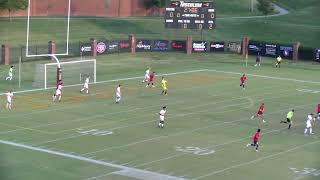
{"points": [[9, 96], [118, 94], [309, 124], [86, 85], [58, 93], [146, 76], [162, 114], [10, 74]]}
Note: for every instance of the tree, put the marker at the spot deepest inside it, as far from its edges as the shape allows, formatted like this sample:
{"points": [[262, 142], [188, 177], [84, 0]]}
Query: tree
{"points": [[265, 6], [13, 5]]}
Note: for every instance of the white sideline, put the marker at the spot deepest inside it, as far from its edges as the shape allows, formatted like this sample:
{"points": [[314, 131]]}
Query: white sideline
{"points": [[256, 160], [131, 172], [267, 77], [112, 80]]}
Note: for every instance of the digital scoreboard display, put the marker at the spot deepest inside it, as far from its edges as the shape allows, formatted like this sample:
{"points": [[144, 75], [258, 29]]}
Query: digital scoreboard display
{"points": [[190, 15]]}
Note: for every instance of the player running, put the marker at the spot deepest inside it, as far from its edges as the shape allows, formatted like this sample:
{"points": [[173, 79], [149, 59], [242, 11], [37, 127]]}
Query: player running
{"points": [[151, 80], [164, 86], [9, 96], [118, 94], [86, 85], [318, 111], [255, 139], [243, 80], [162, 114], [279, 59], [260, 113], [146, 76], [309, 124], [58, 92], [10, 74], [289, 118]]}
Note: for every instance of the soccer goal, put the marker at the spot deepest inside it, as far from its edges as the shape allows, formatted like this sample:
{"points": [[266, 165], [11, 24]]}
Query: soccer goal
{"points": [[73, 73]]}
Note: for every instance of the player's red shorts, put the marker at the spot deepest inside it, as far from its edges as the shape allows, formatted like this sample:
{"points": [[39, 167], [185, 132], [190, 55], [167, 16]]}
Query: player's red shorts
{"points": [[260, 113]]}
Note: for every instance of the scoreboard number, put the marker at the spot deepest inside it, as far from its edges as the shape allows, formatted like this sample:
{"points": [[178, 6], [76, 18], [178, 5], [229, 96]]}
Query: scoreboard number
{"points": [[190, 15]]}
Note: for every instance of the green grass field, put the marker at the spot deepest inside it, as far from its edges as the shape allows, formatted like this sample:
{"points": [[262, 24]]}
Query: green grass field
{"points": [[207, 128]]}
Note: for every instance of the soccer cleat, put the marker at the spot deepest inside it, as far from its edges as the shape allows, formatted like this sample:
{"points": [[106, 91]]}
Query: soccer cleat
{"points": [[257, 150], [248, 145], [252, 117], [263, 121]]}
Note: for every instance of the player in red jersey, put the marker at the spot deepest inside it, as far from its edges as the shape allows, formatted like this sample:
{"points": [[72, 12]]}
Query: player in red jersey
{"points": [[260, 113], [255, 140], [243, 80], [151, 79]]}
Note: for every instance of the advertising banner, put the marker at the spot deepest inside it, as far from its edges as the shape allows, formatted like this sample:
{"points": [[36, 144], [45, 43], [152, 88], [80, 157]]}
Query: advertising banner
{"points": [[143, 45], [317, 55], [160, 45], [271, 50], [85, 49], [286, 51], [178, 45], [199, 46], [101, 47], [113, 46], [234, 47], [255, 47], [124, 46], [217, 46]]}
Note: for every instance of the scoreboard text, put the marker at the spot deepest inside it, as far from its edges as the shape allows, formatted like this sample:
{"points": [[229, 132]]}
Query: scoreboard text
{"points": [[190, 15]]}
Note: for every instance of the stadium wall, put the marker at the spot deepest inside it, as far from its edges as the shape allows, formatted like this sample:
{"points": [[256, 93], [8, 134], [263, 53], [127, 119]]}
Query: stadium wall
{"points": [[99, 8]]}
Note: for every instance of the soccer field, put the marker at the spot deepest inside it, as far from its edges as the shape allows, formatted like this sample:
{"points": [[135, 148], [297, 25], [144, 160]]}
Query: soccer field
{"points": [[206, 130]]}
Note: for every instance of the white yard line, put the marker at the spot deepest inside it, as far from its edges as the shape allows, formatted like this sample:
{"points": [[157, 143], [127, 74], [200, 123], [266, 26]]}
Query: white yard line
{"points": [[256, 160], [130, 171]]}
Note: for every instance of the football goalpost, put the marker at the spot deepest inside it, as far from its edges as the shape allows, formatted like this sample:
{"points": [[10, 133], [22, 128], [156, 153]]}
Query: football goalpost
{"points": [[48, 75], [74, 73]]}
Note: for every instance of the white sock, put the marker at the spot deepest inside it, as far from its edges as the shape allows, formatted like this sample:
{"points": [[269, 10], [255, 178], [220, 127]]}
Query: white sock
{"points": [[82, 89], [305, 130], [310, 130], [60, 98]]}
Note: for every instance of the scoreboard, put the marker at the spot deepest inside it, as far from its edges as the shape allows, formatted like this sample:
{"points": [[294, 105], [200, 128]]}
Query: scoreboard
{"points": [[190, 15]]}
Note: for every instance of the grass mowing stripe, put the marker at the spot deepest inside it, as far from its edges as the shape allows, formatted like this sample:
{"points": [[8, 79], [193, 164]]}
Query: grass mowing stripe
{"points": [[144, 122], [148, 174], [177, 133], [256, 160]]}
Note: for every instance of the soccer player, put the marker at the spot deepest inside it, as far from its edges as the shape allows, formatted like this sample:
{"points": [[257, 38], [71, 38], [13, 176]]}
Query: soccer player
{"points": [[243, 80], [10, 74], [258, 60], [164, 86], [162, 114], [58, 92], [151, 80], [118, 94], [289, 118], [309, 124], [9, 96], [260, 113], [86, 85], [279, 59], [146, 76], [255, 139]]}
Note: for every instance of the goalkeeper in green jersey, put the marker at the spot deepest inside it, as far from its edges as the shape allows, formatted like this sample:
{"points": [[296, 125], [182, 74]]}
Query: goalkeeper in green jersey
{"points": [[289, 118]]}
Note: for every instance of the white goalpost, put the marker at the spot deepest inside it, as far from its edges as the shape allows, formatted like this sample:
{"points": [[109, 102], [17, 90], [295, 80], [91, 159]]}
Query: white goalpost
{"points": [[74, 72]]}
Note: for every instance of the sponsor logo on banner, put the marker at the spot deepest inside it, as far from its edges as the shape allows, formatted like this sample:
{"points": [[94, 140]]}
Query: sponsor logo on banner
{"points": [[86, 48], [113, 46], [271, 49], [317, 55], [124, 44], [234, 47], [199, 46], [143, 45], [178, 45], [217, 46], [255, 47], [160, 45], [286, 51], [101, 47]]}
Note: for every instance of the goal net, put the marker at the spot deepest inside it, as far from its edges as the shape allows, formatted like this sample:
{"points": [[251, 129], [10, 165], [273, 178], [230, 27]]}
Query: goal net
{"points": [[73, 73]]}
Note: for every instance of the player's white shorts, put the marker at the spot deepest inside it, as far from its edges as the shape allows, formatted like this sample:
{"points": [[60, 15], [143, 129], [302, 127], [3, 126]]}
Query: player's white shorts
{"points": [[58, 92], [9, 101], [161, 118], [308, 125], [86, 86], [146, 76]]}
